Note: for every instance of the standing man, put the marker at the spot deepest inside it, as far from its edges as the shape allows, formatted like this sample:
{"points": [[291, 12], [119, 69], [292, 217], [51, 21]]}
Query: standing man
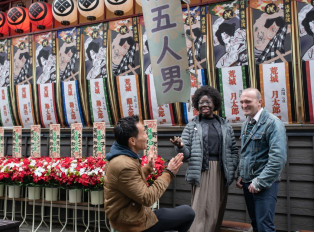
{"points": [[262, 158], [127, 196]]}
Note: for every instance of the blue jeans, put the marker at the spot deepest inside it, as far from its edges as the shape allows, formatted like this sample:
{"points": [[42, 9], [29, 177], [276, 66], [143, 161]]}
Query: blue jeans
{"points": [[179, 219], [261, 207]]}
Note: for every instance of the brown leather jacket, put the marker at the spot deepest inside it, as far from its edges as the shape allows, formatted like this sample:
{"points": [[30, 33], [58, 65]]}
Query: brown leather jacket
{"points": [[128, 198]]}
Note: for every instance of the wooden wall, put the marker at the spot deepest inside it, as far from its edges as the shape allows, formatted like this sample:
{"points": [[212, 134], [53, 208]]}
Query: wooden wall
{"points": [[295, 207]]}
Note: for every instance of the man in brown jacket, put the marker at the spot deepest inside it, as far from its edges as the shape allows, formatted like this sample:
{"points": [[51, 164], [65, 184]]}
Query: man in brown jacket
{"points": [[127, 197]]}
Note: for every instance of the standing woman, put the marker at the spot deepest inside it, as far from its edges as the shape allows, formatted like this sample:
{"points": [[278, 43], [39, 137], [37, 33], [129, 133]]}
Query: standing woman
{"points": [[209, 145]]}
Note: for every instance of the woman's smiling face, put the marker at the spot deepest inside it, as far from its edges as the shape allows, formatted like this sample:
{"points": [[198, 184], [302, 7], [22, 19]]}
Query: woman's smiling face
{"points": [[206, 107]]}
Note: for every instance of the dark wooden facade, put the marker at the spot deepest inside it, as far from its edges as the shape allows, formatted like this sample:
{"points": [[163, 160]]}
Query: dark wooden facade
{"points": [[295, 208]]}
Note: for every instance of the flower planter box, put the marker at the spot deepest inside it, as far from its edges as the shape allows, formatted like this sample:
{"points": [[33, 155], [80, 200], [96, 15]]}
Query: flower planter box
{"points": [[14, 191], [51, 194], [97, 197], [33, 193], [75, 195]]}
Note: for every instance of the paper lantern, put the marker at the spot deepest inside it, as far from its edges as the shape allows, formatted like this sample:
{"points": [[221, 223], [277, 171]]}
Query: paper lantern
{"points": [[4, 27], [119, 7], [40, 14], [139, 2], [18, 19], [91, 9], [65, 11]]}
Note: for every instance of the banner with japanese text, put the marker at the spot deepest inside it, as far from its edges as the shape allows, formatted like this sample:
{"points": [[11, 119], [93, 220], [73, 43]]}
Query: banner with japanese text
{"points": [[189, 111], [231, 82], [54, 141], [35, 141], [199, 33], [167, 49], [23, 79], [151, 131], [308, 89], [306, 31], [95, 45], [271, 31], [124, 47], [24, 99], [6, 113], [76, 140], [229, 33], [17, 142], [99, 139], [129, 96], [69, 74], [71, 103], [46, 76], [1, 142], [274, 84], [164, 114]]}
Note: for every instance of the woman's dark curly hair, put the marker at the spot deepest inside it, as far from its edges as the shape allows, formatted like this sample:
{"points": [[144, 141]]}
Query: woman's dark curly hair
{"points": [[209, 91]]}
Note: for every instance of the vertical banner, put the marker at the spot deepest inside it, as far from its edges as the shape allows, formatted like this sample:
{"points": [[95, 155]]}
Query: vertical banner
{"points": [[69, 71], [45, 50], [54, 143], [76, 140], [35, 141], [167, 50], [271, 31], [124, 47], [229, 36], [275, 90], [199, 31], [1, 142], [23, 79], [231, 82], [308, 89], [99, 137], [17, 142], [151, 131], [6, 114], [189, 111], [95, 48], [164, 114], [306, 31], [129, 96]]}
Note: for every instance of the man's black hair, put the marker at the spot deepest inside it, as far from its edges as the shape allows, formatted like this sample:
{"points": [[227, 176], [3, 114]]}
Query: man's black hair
{"points": [[306, 22], [129, 40], [209, 91], [92, 47], [196, 31], [280, 22], [72, 48], [2, 59], [227, 28], [43, 53], [25, 54], [125, 129]]}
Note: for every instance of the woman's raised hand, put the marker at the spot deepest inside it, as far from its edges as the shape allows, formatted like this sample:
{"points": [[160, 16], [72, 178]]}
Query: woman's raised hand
{"points": [[177, 141]]}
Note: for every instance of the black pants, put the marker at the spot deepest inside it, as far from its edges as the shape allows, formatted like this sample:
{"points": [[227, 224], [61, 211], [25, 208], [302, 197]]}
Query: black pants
{"points": [[179, 219]]}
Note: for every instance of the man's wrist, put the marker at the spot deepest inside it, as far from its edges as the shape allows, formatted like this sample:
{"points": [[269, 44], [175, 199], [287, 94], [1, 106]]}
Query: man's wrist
{"points": [[170, 172]]}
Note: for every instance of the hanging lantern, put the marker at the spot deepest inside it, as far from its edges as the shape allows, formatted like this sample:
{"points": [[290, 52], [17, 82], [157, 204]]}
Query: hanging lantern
{"points": [[18, 19], [139, 2], [65, 11], [91, 9], [40, 14], [119, 7], [4, 27]]}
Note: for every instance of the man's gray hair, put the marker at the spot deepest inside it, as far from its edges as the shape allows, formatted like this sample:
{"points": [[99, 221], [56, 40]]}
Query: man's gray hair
{"points": [[257, 92]]}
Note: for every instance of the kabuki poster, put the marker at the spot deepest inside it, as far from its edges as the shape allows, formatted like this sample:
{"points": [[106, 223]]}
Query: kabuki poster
{"points": [[46, 74], [231, 82], [23, 79], [199, 31], [308, 89], [6, 113], [124, 47], [229, 37], [69, 60], [164, 114], [271, 31], [95, 48], [274, 81]]}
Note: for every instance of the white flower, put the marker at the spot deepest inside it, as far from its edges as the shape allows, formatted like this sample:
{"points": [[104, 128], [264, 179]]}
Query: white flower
{"points": [[39, 171]]}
